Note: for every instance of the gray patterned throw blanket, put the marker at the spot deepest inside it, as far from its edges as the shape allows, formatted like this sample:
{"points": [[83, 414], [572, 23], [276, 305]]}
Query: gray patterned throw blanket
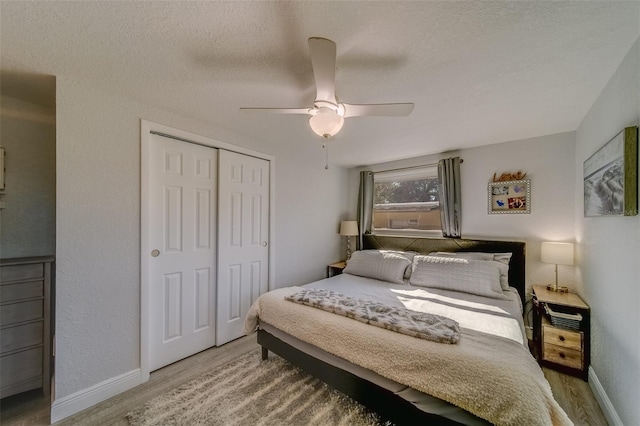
{"points": [[401, 320]]}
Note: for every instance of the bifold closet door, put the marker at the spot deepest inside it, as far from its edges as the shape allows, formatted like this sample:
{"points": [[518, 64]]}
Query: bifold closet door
{"points": [[183, 210], [243, 253]]}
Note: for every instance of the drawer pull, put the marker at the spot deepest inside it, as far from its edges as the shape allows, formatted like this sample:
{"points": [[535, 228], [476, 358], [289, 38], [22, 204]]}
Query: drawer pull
{"points": [[562, 355], [561, 338]]}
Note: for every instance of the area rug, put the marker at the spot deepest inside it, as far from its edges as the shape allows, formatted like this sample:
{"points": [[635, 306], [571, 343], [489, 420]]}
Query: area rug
{"points": [[249, 391]]}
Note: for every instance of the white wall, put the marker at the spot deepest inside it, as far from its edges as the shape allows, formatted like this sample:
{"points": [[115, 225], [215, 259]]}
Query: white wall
{"points": [[549, 163], [28, 134], [98, 226], [609, 251]]}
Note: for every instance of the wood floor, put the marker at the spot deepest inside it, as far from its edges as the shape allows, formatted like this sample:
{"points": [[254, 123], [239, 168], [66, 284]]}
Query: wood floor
{"points": [[576, 398], [32, 408]]}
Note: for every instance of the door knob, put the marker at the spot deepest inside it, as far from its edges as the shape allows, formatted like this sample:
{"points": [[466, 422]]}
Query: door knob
{"points": [[155, 253]]}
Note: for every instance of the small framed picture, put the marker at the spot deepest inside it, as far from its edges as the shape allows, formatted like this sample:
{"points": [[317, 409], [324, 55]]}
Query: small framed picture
{"points": [[508, 197]]}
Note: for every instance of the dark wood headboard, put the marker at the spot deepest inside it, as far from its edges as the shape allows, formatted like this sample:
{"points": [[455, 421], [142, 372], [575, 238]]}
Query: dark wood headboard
{"points": [[428, 245]]}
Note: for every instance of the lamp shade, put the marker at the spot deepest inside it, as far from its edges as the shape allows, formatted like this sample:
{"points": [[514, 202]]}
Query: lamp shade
{"points": [[349, 228], [557, 253], [326, 122]]}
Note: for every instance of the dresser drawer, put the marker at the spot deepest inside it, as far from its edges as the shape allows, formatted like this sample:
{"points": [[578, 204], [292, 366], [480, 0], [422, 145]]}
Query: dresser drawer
{"points": [[560, 337], [21, 272], [21, 311], [21, 366], [21, 336], [26, 290], [563, 356]]}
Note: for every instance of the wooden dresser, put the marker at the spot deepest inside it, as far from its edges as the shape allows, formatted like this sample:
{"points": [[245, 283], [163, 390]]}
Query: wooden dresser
{"points": [[25, 324]]}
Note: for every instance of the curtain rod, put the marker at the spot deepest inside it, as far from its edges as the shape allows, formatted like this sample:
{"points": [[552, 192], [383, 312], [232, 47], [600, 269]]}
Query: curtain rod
{"points": [[410, 167]]}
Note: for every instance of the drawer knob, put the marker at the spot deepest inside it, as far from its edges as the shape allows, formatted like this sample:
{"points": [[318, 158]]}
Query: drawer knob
{"points": [[561, 338], [562, 355]]}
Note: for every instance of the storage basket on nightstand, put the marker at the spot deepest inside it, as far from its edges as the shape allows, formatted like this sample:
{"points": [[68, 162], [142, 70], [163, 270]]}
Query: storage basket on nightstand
{"points": [[562, 319]]}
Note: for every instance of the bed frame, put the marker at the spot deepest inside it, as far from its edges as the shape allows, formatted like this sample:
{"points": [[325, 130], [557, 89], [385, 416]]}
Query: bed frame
{"points": [[388, 405]]}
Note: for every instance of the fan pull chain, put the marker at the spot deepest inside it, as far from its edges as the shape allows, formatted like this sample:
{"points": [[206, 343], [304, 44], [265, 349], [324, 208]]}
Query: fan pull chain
{"points": [[326, 155]]}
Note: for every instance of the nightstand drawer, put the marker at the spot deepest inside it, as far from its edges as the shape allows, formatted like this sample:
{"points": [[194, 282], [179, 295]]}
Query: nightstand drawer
{"points": [[561, 337], [563, 356]]}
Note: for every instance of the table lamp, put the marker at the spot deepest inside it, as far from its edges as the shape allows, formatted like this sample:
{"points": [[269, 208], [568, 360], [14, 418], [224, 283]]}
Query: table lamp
{"points": [[349, 228], [558, 254]]}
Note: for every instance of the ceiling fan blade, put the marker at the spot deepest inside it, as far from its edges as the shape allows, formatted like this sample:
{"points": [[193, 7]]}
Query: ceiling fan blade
{"points": [[389, 110], [279, 110], [323, 61]]}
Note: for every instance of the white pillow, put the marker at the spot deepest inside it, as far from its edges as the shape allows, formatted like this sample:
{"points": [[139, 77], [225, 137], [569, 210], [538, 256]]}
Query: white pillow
{"points": [[384, 265], [408, 254], [478, 277], [501, 258]]}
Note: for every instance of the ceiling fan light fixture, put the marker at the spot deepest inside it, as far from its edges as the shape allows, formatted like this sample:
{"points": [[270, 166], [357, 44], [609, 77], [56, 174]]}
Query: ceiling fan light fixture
{"points": [[327, 114], [326, 122]]}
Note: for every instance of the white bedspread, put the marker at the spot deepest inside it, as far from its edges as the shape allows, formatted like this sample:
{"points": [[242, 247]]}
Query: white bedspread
{"points": [[489, 373], [493, 316]]}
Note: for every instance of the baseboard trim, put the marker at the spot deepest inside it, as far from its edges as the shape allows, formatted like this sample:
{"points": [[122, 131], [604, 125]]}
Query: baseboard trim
{"points": [[605, 403], [81, 400]]}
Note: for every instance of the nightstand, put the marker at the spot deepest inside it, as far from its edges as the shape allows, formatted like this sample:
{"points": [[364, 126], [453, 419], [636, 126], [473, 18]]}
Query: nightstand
{"points": [[336, 268], [561, 331]]}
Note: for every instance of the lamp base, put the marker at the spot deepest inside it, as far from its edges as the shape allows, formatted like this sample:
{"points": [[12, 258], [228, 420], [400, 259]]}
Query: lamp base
{"points": [[558, 289]]}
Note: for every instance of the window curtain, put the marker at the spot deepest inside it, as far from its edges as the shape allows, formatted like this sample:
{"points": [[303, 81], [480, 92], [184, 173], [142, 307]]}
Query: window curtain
{"points": [[449, 189], [365, 206]]}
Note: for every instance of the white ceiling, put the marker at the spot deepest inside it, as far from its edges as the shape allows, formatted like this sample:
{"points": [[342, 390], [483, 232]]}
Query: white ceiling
{"points": [[478, 72]]}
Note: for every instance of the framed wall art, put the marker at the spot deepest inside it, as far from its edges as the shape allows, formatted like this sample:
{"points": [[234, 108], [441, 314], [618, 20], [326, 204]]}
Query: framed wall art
{"points": [[611, 177], [510, 197]]}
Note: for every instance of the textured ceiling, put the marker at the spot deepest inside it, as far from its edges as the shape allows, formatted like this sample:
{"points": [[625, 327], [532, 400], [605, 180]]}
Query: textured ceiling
{"points": [[478, 72]]}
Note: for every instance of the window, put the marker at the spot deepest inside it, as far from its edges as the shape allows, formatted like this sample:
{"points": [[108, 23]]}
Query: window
{"points": [[406, 201]]}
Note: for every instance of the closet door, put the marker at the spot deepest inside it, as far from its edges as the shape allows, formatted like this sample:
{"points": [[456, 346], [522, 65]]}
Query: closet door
{"points": [[182, 255], [243, 253]]}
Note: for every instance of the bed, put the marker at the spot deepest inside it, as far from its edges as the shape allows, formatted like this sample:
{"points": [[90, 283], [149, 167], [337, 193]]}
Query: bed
{"points": [[487, 376]]}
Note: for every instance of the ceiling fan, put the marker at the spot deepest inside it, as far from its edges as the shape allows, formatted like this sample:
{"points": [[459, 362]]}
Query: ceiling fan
{"points": [[327, 114]]}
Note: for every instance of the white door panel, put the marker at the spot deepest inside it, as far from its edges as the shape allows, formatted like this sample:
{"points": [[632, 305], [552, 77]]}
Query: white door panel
{"points": [[182, 274], [243, 238]]}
